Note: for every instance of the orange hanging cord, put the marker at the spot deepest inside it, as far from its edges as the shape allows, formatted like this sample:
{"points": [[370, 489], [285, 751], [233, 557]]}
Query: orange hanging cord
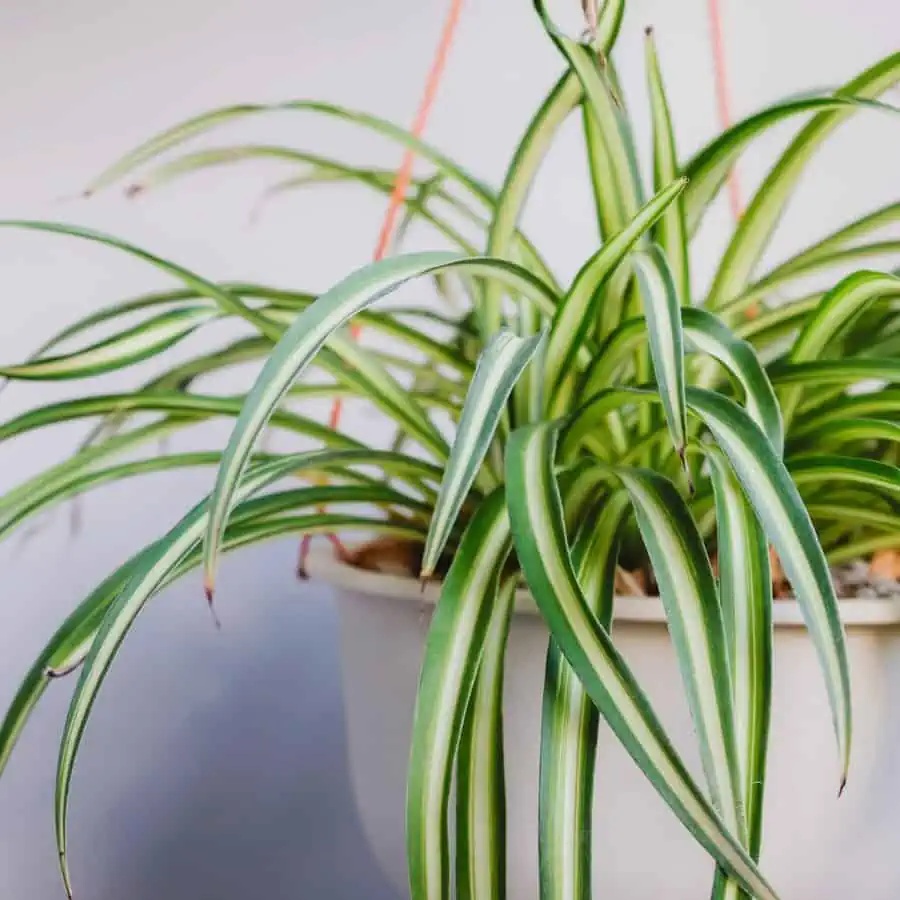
{"points": [[398, 194], [723, 99]]}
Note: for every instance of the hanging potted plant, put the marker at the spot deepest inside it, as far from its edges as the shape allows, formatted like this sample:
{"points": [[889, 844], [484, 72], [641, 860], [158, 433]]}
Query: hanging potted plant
{"points": [[620, 434]]}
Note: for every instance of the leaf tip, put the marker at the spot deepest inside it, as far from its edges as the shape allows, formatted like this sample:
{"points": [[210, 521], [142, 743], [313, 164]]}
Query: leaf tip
{"points": [[64, 871], [648, 32], [843, 785], [212, 611], [302, 555], [424, 577], [54, 672], [134, 190]]}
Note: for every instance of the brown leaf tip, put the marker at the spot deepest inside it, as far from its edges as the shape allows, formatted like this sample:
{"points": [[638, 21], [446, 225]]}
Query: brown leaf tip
{"points": [[133, 190], [843, 785], [648, 31]]}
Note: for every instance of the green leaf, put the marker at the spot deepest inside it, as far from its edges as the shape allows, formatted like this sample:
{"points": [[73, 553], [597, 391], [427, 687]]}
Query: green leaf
{"points": [[226, 301], [837, 371], [762, 215], [569, 722], [575, 316], [774, 283], [303, 340], [68, 647], [663, 315], [499, 367], [843, 431], [147, 578], [838, 309], [787, 524], [745, 588], [845, 238], [828, 468], [694, 616], [670, 232], [65, 649], [709, 168], [707, 334], [196, 406], [480, 777], [531, 151], [132, 346], [381, 182], [455, 642], [527, 159], [206, 122], [539, 534]]}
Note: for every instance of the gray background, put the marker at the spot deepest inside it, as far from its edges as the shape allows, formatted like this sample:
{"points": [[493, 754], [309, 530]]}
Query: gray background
{"points": [[213, 765]]}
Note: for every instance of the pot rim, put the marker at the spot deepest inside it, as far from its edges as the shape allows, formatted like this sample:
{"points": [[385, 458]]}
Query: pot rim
{"points": [[856, 612]]}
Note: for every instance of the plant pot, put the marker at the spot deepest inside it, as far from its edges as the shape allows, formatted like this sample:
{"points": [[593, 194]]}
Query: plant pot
{"points": [[815, 845]]}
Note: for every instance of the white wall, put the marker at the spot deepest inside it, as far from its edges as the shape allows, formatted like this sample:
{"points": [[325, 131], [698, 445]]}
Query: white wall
{"points": [[213, 762]]}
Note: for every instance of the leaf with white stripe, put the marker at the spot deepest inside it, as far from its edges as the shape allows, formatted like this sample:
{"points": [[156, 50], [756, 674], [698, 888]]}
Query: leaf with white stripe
{"points": [[755, 229], [127, 348], [69, 646], [670, 232], [302, 341], [223, 298], [569, 723], [787, 524], [745, 588], [838, 309], [166, 554], [536, 517], [453, 649], [707, 334], [577, 311], [709, 167], [694, 616], [194, 407], [827, 468], [480, 776], [663, 314], [499, 368]]}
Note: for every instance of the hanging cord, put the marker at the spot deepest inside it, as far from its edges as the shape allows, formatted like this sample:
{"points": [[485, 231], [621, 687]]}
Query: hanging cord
{"points": [[723, 100], [398, 194]]}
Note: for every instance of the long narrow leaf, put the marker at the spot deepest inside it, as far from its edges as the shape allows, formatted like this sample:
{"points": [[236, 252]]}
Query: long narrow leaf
{"points": [[452, 652], [745, 588], [663, 314], [764, 211], [167, 553], [499, 368], [787, 525], [480, 776], [569, 724], [670, 232]]}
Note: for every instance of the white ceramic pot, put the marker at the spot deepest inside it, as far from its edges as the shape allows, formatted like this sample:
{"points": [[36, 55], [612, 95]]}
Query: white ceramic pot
{"points": [[816, 847]]}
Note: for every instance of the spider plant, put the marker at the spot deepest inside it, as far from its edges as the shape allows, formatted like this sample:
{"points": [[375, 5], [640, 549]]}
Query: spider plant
{"points": [[552, 432]]}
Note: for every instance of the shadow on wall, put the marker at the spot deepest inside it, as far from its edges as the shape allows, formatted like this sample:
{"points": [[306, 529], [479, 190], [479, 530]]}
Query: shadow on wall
{"points": [[215, 763]]}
